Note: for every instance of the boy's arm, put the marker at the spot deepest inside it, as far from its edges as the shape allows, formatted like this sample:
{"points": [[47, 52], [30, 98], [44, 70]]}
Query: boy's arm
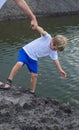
{"points": [[61, 71], [40, 30]]}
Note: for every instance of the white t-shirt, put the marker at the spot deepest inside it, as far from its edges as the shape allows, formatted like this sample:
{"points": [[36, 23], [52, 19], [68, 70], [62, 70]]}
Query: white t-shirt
{"points": [[40, 48], [2, 2]]}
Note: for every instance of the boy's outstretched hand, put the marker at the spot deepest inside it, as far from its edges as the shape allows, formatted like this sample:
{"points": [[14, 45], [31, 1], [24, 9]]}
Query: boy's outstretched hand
{"points": [[63, 74], [61, 71]]}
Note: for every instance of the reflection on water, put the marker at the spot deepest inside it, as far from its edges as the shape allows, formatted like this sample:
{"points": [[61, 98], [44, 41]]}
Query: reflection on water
{"points": [[15, 34]]}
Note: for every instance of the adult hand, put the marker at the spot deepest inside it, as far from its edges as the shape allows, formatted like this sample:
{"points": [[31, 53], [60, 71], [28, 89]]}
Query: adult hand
{"points": [[34, 23]]}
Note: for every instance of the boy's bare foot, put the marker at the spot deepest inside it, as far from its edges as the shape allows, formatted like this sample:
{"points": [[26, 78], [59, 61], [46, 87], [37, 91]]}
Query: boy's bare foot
{"points": [[7, 86], [4, 86]]}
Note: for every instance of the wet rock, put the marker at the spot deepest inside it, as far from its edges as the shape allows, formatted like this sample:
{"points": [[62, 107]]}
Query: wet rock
{"points": [[40, 8], [66, 108], [20, 110]]}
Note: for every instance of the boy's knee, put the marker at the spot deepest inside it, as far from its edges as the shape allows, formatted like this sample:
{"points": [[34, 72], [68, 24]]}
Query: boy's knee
{"points": [[19, 64], [34, 75]]}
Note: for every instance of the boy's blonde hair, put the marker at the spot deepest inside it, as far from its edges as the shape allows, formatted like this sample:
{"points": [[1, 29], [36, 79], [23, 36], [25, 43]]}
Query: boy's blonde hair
{"points": [[60, 41]]}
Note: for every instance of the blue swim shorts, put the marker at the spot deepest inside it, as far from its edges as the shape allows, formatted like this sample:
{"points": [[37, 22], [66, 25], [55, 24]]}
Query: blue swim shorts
{"points": [[31, 64]]}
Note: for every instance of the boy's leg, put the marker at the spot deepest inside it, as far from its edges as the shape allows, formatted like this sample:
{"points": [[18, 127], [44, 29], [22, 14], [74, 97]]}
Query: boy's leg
{"points": [[13, 72], [33, 82]]}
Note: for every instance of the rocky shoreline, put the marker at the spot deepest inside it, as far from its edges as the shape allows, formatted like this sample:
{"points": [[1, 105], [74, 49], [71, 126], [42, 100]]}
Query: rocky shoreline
{"points": [[40, 8], [20, 110]]}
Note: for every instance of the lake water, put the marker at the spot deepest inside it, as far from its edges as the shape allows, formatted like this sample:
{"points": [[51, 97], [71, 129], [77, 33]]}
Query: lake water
{"points": [[15, 34]]}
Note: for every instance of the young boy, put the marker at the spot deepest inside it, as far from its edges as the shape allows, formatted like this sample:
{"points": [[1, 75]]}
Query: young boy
{"points": [[40, 47]]}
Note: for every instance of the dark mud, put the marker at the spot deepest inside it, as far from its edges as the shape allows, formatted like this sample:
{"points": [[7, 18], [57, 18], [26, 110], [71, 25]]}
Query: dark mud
{"points": [[20, 110]]}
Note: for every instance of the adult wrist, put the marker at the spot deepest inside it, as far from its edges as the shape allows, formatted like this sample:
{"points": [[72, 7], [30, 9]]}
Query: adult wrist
{"points": [[33, 17]]}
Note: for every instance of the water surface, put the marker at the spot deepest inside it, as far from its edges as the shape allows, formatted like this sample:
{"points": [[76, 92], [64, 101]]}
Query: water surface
{"points": [[15, 34]]}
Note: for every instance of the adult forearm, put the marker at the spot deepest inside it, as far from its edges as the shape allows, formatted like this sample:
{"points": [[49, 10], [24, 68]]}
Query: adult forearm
{"points": [[25, 8]]}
